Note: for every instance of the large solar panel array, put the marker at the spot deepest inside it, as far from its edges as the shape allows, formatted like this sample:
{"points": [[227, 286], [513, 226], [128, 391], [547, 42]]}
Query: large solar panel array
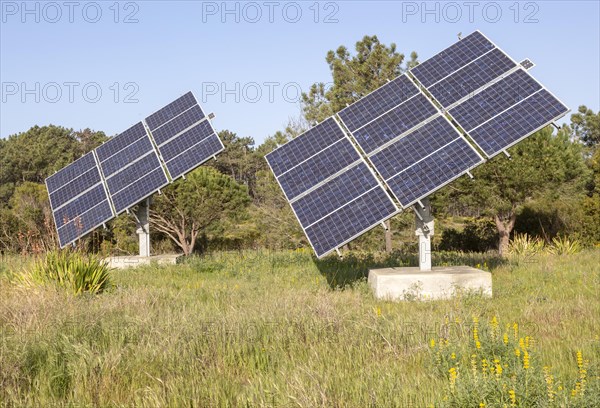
{"points": [[332, 191], [404, 130], [130, 167]]}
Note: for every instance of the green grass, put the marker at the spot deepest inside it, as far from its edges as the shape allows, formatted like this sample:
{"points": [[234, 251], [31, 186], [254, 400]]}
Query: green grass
{"points": [[279, 329]]}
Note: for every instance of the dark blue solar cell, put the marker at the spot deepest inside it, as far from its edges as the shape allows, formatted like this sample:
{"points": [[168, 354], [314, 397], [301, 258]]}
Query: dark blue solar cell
{"points": [[378, 102], [130, 174], [68, 173], [394, 123], [433, 172], [350, 221], [304, 146], [414, 147], [77, 186], [84, 223], [177, 125], [121, 141], [318, 168], [494, 100], [471, 77], [173, 109], [126, 156], [334, 194], [194, 156], [81, 204], [518, 122], [140, 189], [186, 140], [452, 59]]}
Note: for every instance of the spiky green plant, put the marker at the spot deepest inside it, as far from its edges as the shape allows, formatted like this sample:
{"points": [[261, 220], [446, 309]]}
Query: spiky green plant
{"points": [[76, 272], [562, 245], [525, 245]]}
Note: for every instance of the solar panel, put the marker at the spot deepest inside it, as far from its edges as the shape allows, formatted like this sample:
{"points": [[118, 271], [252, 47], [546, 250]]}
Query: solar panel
{"points": [[471, 77], [78, 199], [495, 99], [425, 160], [301, 148], [394, 123], [518, 122], [175, 108], [329, 185], [378, 102], [128, 168], [452, 59], [350, 221], [527, 64]]}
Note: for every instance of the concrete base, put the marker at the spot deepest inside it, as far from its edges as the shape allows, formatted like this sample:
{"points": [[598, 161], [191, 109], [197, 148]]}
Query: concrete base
{"points": [[439, 283], [122, 262]]}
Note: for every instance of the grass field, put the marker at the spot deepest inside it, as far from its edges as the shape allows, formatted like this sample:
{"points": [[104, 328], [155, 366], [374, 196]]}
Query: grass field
{"points": [[279, 329]]}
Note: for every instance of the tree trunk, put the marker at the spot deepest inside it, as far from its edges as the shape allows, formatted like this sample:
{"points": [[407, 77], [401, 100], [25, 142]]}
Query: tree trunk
{"points": [[504, 224], [388, 236]]}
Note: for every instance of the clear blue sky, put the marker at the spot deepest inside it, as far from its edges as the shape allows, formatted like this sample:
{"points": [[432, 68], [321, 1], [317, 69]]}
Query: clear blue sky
{"points": [[65, 57]]}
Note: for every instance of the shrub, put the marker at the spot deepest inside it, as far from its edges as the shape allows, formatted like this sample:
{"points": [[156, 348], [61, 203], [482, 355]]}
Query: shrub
{"points": [[73, 271], [525, 245], [478, 235], [562, 245]]}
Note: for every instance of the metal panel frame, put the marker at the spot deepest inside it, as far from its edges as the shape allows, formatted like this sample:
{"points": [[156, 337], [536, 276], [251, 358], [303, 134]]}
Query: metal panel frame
{"points": [[325, 181]]}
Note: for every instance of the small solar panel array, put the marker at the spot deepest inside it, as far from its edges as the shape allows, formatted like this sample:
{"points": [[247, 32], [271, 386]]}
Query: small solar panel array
{"points": [[417, 133], [130, 167]]}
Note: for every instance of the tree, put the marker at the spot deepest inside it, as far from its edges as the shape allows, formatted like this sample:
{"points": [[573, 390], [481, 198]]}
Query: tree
{"points": [[239, 160], [586, 126], [187, 207], [544, 166], [39, 152]]}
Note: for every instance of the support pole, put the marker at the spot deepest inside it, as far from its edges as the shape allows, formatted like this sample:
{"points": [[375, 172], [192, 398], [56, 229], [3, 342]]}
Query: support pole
{"points": [[143, 226], [424, 230]]}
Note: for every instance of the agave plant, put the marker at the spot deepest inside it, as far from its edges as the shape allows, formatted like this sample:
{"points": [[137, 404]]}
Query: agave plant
{"points": [[562, 245], [524, 245], [76, 272]]}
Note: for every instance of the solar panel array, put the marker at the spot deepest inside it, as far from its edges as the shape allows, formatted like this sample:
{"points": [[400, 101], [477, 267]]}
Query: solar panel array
{"points": [[129, 167], [404, 130], [332, 191]]}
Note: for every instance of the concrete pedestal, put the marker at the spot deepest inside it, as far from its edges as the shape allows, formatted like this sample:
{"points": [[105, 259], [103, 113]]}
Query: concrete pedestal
{"points": [[122, 262], [409, 283]]}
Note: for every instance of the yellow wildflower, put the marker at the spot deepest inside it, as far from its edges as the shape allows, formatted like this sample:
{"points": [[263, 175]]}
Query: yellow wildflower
{"points": [[513, 398], [505, 338], [525, 360]]}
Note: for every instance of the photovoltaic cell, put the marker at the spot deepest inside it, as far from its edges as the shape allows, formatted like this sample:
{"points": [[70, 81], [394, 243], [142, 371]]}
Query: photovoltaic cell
{"points": [[413, 147], [471, 77], [121, 141], [139, 189], [177, 125], [70, 172], [516, 123], [452, 59], [334, 194], [304, 146], [175, 108], [378, 102], [84, 223], [318, 168], [433, 172], [77, 198], [350, 221], [394, 123], [132, 173], [494, 99], [184, 141], [195, 156], [126, 156]]}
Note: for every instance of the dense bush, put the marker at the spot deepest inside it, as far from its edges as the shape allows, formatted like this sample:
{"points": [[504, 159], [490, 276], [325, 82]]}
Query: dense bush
{"points": [[478, 235], [76, 272]]}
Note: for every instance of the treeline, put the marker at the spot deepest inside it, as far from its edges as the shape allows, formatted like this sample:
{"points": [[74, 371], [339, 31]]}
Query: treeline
{"points": [[549, 187]]}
